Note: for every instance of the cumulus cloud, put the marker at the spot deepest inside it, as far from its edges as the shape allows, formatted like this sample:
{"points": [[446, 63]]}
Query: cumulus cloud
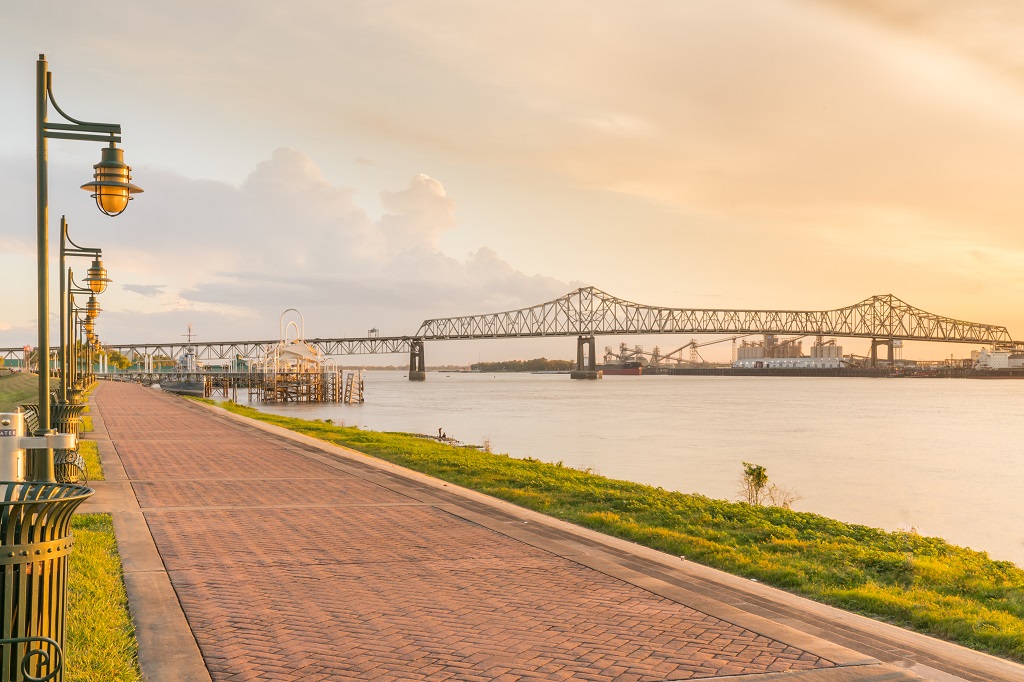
{"points": [[417, 216], [227, 259]]}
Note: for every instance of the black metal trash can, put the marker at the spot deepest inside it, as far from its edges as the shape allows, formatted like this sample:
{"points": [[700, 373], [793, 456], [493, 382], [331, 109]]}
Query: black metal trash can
{"points": [[35, 542], [68, 465]]}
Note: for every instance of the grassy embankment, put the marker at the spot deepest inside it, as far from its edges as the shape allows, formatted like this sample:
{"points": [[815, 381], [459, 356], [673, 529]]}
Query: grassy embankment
{"points": [[100, 643], [919, 582], [16, 389]]}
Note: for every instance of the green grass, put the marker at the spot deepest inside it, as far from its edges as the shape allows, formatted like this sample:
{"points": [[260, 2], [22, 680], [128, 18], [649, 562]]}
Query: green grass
{"points": [[101, 643], [93, 466], [923, 583], [16, 389]]}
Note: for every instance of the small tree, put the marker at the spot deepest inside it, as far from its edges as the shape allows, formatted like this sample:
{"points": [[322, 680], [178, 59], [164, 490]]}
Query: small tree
{"points": [[118, 360], [755, 488], [753, 483]]}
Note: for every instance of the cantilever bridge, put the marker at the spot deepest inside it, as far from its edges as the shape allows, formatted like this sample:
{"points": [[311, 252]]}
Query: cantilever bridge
{"points": [[588, 312]]}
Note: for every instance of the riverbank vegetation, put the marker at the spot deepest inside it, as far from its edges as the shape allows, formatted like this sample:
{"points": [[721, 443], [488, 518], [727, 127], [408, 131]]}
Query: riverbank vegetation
{"points": [[535, 365], [903, 578]]}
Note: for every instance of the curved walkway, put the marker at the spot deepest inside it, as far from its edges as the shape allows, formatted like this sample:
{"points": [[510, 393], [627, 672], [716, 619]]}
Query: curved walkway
{"points": [[252, 553]]}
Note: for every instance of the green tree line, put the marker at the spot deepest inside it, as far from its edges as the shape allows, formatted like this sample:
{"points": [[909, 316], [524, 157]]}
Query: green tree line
{"points": [[535, 365]]}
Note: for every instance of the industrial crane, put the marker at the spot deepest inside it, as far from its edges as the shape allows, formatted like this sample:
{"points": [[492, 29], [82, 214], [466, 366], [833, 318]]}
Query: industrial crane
{"points": [[656, 357]]}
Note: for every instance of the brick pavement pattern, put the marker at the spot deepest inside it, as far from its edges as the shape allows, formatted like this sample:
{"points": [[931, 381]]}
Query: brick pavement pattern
{"points": [[290, 569]]}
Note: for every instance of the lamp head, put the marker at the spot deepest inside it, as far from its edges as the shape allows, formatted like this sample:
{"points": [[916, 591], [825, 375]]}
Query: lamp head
{"points": [[111, 185], [96, 279], [92, 308]]}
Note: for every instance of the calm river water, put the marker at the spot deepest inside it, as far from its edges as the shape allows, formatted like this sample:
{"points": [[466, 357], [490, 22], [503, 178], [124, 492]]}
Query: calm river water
{"points": [[943, 456]]}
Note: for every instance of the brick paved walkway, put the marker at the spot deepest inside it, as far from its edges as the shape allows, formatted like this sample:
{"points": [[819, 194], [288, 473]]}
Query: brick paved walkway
{"points": [[291, 564]]}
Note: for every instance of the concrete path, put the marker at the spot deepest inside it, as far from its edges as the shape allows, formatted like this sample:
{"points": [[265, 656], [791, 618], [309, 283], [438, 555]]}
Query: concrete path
{"points": [[252, 553]]}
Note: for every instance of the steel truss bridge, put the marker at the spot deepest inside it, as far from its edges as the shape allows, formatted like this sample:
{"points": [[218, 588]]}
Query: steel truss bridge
{"points": [[589, 312]]}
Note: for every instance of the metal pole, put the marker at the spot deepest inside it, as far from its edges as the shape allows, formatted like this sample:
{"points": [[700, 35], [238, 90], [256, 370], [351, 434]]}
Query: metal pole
{"points": [[74, 351], [64, 292], [43, 470], [42, 229]]}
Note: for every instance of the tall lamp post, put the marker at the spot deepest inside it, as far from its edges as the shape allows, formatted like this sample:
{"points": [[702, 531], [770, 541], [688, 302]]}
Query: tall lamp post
{"points": [[95, 279], [111, 188], [69, 358]]}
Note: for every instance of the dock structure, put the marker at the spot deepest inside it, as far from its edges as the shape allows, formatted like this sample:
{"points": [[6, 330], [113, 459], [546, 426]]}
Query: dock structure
{"points": [[353, 387], [267, 387], [297, 387], [294, 371]]}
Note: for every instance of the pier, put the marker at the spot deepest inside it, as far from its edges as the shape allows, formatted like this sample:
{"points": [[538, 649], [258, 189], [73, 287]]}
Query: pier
{"points": [[265, 387]]}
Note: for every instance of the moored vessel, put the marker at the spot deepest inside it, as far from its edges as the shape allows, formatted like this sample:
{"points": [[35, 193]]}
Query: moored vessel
{"points": [[631, 368]]}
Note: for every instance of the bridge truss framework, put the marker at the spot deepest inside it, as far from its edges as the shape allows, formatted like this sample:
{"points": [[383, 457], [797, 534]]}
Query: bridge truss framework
{"points": [[588, 312]]}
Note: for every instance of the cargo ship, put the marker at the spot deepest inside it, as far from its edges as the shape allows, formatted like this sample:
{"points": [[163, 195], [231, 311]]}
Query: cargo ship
{"points": [[626, 368]]}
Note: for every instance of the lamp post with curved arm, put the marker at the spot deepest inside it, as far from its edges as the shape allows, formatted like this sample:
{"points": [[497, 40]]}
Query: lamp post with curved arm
{"points": [[96, 282], [69, 349], [111, 187]]}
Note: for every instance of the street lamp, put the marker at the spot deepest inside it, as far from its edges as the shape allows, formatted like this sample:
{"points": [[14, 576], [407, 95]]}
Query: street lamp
{"points": [[83, 334], [111, 186], [92, 308], [112, 191], [96, 281], [96, 277], [83, 318]]}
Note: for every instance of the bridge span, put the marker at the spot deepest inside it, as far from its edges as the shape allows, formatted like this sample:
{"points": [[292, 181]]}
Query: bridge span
{"points": [[588, 312]]}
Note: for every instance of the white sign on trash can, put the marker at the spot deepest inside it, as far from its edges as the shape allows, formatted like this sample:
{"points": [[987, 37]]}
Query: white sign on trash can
{"points": [[12, 455]]}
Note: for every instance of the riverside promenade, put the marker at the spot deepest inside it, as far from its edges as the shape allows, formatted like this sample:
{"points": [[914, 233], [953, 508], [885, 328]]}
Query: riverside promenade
{"points": [[252, 553]]}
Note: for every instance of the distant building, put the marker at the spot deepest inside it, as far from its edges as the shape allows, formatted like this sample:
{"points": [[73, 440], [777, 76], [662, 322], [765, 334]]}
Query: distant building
{"points": [[790, 363], [997, 359], [775, 354]]}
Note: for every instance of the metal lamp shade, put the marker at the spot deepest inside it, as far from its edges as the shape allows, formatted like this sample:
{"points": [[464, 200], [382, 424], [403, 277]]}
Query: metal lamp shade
{"points": [[111, 186], [96, 278], [92, 308]]}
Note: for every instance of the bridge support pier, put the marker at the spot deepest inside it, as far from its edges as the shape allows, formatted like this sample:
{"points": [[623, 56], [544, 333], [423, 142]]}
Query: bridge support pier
{"points": [[417, 364], [875, 343], [586, 363]]}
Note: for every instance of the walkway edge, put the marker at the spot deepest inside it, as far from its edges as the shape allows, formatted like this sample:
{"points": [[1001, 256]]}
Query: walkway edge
{"points": [[168, 651]]}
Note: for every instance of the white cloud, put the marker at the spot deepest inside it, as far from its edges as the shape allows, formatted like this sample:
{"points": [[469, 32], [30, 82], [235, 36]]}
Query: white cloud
{"points": [[416, 217], [227, 259]]}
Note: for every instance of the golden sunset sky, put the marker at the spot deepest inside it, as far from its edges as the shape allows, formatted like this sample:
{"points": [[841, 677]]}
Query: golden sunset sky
{"points": [[374, 164]]}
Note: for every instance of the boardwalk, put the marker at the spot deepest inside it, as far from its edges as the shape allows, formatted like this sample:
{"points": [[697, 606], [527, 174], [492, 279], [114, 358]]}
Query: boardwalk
{"points": [[293, 560]]}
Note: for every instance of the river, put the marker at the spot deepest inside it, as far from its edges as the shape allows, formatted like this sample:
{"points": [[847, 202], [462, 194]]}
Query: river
{"points": [[942, 456]]}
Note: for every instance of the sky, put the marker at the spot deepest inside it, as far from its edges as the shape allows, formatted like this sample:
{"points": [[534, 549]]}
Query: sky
{"points": [[375, 164]]}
